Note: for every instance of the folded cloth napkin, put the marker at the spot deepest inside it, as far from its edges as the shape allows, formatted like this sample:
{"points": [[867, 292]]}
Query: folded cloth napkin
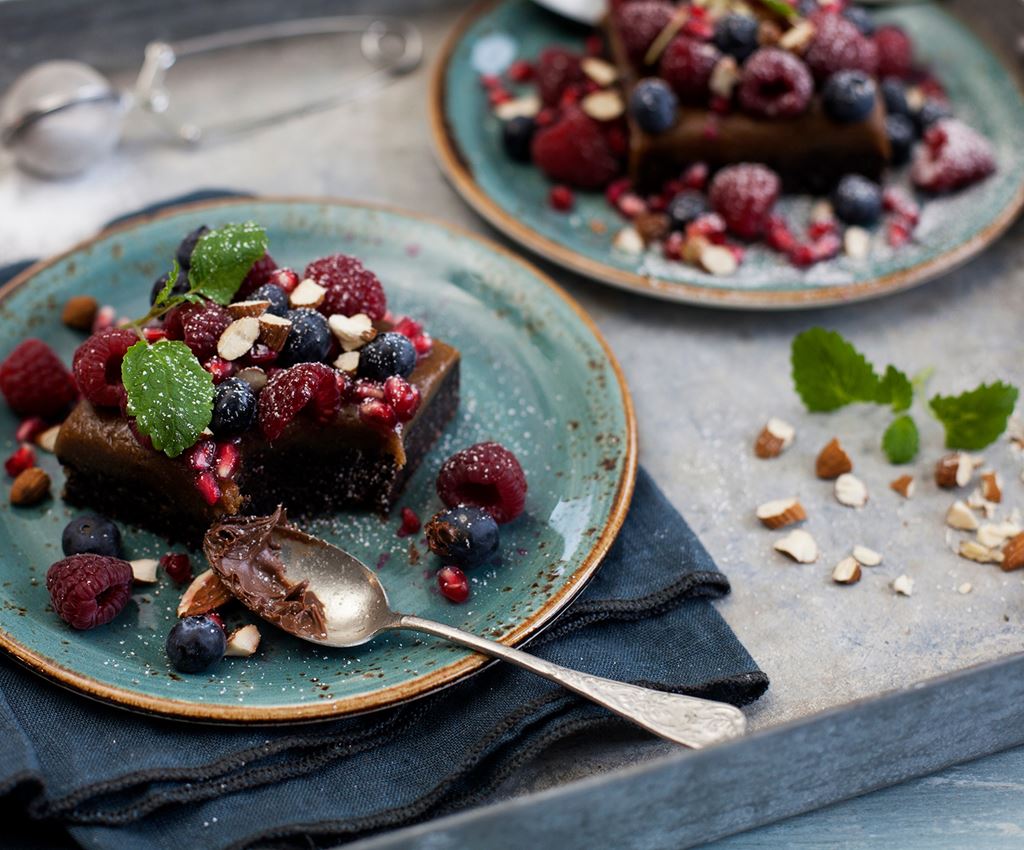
{"points": [[115, 779]]}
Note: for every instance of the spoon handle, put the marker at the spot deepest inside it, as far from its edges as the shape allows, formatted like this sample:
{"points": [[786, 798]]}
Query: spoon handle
{"points": [[687, 720]]}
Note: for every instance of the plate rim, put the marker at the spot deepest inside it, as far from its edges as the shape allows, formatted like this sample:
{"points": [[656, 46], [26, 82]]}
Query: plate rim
{"points": [[395, 694], [456, 169]]}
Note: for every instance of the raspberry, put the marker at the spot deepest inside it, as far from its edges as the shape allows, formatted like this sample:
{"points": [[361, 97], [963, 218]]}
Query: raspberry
{"points": [[486, 476], [178, 566], [573, 150], [775, 84], [89, 590], [744, 196], [22, 459], [290, 391], [97, 366], [686, 65], [839, 46], [639, 24], [351, 288], [557, 69], [953, 156], [258, 275], [895, 52], [201, 327], [35, 382], [453, 584]]}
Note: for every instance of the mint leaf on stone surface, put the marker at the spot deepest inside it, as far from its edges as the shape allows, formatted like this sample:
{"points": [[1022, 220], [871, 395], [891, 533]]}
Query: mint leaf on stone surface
{"points": [[829, 373], [976, 418], [901, 440], [896, 389], [170, 394], [222, 258]]}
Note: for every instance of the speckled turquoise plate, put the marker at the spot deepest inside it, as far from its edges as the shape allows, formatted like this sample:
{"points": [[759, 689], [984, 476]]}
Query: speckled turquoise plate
{"points": [[536, 376], [513, 196]]}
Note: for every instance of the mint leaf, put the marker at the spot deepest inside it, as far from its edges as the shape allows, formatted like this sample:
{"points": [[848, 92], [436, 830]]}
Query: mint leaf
{"points": [[781, 8], [829, 373], [165, 293], [974, 419], [896, 389], [901, 440], [222, 258], [169, 393]]}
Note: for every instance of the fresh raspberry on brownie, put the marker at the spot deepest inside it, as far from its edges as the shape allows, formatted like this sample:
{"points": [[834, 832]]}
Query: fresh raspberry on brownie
{"points": [[34, 381], [952, 156], [201, 327], [839, 46], [775, 84], [351, 288], [557, 69], [97, 366], [686, 65], [311, 386], [744, 196], [574, 150], [486, 476], [89, 590], [639, 24], [895, 52]]}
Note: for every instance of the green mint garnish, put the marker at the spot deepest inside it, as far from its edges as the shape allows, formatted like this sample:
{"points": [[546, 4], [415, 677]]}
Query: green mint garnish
{"points": [[974, 419], [829, 373], [222, 258], [172, 279], [901, 440], [781, 8], [896, 389], [170, 394]]}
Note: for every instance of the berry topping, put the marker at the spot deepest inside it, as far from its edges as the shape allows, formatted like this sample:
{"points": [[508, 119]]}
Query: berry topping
{"points": [[744, 195], [517, 135], [284, 279], [273, 293], [557, 69], [849, 96], [900, 131], [403, 397], [930, 112], [21, 459], [775, 84], [258, 275], [92, 535], [857, 200], [894, 93], [201, 455], [89, 590], [220, 368], [686, 65], [486, 475], [410, 523], [30, 428], [34, 381], [97, 366], [181, 286], [573, 150], [453, 584], [639, 23], [953, 155], [195, 643], [378, 414], [653, 105], [561, 198], [895, 52], [184, 253], [685, 207], [209, 489], [309, 386], [351, 288], [839, 46], [227, 459], [385, 355], [178, 566], [234, 408], [463, 535], [736, 35], [201, 327], [309, 339], [861, 18]]}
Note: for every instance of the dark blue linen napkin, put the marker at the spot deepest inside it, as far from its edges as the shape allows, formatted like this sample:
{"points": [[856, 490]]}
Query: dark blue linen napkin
{"points": [[115, 779]]}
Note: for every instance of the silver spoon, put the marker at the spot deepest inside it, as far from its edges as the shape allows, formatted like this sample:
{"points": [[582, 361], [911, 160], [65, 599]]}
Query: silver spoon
{"points": [[286, 566]]}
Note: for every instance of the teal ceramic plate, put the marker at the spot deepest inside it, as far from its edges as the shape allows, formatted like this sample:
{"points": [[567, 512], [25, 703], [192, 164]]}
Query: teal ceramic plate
{"points": [[536, 376], [513, 197]]}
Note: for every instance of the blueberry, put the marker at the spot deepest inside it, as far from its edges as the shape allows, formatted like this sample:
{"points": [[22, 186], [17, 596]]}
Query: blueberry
{"points": [[861, 18], [653, 105], [195, 643], [929, 113], [900, 131], [857, 200], [736, 35], [188, 245], [386, 355], [894, 93], [91, 535], [464, 536], [849, 96], [685, 207], [234, 408], [516, 135], [181, 286], [277, 297], [309, 340]]}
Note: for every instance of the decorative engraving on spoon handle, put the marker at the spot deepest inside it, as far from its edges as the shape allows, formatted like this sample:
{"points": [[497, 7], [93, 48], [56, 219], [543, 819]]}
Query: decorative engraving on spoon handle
{"points": [[691, 721]]}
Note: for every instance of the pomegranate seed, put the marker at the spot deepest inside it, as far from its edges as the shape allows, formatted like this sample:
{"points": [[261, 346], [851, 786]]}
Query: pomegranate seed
{"points": [[673, 246], [631, 205], [698, 28], [898, 233], [569, 97], [821, 228], [897, 201], [710, 225], [208, 487], [284, 278], [423, 344], [408, 327], [410, 523], [178, 566], [344, 384], [561, 198], [696, 176], [364, 389], [219, 368], [594, 45], [738, 251], [261, 355], [402, 396], [22, 458], [802, 255], [105, 318], [489, 81], [545, 117], [827, 247], [213, 615], [498, 96], [227, 459], [453, 584], [201, 455], [29, 429], [154, 334], [616, 189], [520, 71], [778, 235], [378, 415]]}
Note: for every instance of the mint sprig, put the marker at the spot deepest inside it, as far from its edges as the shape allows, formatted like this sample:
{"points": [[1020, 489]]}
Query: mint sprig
{"points": [[829, 373], [170, 394], [896, 389], [222, 258], [976, 418]]}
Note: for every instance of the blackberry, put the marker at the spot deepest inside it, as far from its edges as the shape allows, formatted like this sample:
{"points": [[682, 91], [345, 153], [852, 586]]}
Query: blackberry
{"points": [[234, 408]]}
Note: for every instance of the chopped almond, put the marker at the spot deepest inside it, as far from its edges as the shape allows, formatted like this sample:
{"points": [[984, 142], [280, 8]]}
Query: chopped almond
{"points": [[832, 461], [781, 512]]}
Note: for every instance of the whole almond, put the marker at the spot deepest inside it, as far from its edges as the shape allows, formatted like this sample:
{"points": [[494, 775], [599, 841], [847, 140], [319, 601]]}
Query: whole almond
{"points": [[30, 487], [80, 312], [832, 461], [206, 593]]}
